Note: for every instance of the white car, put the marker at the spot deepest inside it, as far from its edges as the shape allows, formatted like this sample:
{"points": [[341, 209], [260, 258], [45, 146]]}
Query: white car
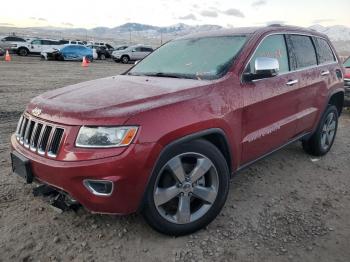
{"points": [[71, 42], [132, 53], [37, 46], [11, 42]]}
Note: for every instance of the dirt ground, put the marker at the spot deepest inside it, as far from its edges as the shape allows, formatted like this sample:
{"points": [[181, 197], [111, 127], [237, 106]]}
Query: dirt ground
{"points": [[288, 207]]}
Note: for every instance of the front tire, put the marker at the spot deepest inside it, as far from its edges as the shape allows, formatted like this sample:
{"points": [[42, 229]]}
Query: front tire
{"points": [[103, 57], [187, 189], [322, 140], [22, 51]]}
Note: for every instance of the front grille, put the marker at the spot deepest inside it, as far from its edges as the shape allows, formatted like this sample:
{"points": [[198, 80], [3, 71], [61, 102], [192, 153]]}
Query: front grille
{"points": [[42, 138]]}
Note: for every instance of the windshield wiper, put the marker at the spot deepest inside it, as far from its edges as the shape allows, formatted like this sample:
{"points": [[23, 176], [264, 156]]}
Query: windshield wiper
{"points": [[161, 74]]}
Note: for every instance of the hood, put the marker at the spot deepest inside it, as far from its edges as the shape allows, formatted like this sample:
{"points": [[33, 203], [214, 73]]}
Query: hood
{"points": [[113, 100]]}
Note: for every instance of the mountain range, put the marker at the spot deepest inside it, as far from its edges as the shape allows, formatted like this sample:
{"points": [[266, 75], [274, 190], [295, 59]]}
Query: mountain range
{"points": [[336, 33], [136, 32]]}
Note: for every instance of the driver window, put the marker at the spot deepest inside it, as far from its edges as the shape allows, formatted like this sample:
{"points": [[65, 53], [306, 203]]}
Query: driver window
{"points": [[273, 46]]}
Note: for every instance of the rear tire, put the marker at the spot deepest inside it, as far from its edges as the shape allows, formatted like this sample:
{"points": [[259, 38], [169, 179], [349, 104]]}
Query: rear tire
{"points": [[322, 140], [125, 59], [187, 189]]}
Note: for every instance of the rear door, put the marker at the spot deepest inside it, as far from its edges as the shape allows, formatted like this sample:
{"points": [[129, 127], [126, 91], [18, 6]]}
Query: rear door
{"points": [[145, 51], [303, 60], [328, 69], [270, 104], [136, 53]]}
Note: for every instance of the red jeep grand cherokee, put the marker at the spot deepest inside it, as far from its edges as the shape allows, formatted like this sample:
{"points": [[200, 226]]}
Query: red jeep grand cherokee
{"points": [[165, 137]]}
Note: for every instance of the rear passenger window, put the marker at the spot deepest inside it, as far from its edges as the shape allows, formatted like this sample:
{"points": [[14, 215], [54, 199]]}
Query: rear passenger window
{"points": [[273, 46], [301, 50], [324, 51]]}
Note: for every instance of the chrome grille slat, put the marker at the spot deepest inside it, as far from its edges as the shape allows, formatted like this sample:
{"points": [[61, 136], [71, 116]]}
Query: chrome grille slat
{"points": [[55, 142], [19, 125], [44, 139], [23, 129], [28, 133]]}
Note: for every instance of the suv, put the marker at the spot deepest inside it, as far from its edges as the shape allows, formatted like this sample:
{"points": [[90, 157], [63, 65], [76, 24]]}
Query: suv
{"points": [[12, 42], [71, 42], [165, 137], [36, 46], [132, 53]]}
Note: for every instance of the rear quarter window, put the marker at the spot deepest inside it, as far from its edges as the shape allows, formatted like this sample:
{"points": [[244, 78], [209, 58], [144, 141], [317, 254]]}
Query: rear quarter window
{"points": [[301, 51], [324, 51]]}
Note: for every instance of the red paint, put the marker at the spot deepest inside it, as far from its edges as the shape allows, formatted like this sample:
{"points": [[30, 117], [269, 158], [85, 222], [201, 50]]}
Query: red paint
{"points": [[256, 117]]}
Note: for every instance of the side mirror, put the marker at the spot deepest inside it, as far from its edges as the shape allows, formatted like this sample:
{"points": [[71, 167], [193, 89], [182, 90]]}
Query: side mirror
{"points": [[264, 67]]}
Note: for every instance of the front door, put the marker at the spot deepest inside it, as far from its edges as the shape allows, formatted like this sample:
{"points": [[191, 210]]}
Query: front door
{"points": [[36, 46], [270, 104]]}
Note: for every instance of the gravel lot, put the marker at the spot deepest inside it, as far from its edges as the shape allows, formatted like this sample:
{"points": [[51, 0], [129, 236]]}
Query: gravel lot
{"points": [[288, 207]]}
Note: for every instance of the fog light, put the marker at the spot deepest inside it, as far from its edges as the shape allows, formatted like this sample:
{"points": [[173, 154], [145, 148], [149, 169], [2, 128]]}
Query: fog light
{"points": [[99, 187]]}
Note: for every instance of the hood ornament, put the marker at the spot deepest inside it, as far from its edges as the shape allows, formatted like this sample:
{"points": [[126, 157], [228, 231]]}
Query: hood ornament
{"points": [[36, 111]]}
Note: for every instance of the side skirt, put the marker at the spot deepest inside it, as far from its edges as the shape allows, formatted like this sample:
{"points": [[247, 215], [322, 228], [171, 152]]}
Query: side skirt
{"points": [[242, 167]]}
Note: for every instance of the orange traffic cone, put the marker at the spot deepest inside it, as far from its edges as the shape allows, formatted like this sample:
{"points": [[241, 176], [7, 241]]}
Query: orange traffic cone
{"points": [[85, 63], [7, 56]]}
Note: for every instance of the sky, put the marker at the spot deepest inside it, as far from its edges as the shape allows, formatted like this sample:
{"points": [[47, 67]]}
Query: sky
{"points": [[227, 13]]}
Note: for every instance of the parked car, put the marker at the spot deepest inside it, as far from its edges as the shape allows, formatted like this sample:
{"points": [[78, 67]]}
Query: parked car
{"points": [[71, 42], [11, 42], [69, 52], [132, 53], [36, 46], [347, 82], [117, 48], [102, 52], [120, 47], [164, 137]]}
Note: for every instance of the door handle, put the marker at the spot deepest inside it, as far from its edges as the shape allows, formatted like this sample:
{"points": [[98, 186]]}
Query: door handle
{"points": [[324, 73], [292, 82]]}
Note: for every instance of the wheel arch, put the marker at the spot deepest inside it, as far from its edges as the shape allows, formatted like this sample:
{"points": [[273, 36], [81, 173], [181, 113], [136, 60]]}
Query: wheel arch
{"points": [[22, 47], [215, 136], [337, 99]]}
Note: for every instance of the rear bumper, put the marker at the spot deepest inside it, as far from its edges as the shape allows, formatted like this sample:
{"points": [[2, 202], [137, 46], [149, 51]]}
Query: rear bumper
{"points": [[129, 173]]}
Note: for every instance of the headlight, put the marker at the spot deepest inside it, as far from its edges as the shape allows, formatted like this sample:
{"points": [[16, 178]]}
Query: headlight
{"points": [[105, 136]]}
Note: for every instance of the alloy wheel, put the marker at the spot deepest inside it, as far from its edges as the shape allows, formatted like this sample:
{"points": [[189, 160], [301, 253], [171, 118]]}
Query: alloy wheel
{"points": [[328, 131], [186, 188]]}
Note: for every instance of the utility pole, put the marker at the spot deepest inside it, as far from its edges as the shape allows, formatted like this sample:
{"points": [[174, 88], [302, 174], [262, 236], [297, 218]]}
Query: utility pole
{"points": [[129, 36]]}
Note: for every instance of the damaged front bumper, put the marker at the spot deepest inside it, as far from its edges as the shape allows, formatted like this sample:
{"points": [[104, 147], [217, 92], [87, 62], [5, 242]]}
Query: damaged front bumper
{"points": [[128, 173]]}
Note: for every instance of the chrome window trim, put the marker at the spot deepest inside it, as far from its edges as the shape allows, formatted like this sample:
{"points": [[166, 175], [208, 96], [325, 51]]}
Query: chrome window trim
{"points": [[291, 71]]}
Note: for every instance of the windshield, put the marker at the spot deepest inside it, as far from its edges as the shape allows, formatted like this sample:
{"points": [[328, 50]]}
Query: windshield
{"points": [[347, 62], [196, 58]]}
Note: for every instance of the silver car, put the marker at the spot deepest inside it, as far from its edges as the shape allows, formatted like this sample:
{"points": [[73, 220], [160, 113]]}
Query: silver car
{"points": [[132, 53]]}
